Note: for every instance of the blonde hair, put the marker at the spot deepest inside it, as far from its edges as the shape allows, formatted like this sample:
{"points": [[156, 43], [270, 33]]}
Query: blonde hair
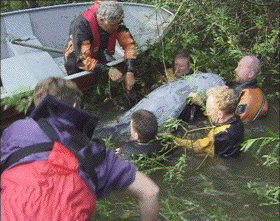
{"points": [[62, 89], [224, 97]]}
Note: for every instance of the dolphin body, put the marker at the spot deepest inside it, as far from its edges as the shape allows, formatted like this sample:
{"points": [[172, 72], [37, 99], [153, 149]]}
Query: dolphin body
{"points": [[167, 101]]}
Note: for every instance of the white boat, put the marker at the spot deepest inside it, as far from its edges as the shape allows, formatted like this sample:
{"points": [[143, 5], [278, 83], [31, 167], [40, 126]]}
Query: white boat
{"points": [[22, 67]]}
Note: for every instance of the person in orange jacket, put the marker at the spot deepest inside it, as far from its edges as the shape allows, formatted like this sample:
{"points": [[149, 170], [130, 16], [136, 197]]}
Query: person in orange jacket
{"points": [[252, 103], [92, 39]]}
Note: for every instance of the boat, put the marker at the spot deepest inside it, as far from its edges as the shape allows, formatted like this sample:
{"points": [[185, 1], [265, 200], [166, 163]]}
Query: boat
{"points": [[32, 41], [166, 102]]}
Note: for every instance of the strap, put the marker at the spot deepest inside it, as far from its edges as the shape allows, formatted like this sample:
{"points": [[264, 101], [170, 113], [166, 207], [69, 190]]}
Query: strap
{"points": [[88, 162], [48, 129], [24, 152], [259, 111]]}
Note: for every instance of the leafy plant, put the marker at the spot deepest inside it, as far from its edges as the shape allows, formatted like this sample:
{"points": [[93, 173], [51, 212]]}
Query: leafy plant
{"points": [[22, 102], [259, 145], [268, 194]]}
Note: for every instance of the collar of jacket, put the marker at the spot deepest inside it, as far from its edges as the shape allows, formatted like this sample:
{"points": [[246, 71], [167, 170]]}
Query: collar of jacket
{"points": [[232, 120], [90, 16], [80, 119], [239, 87]]}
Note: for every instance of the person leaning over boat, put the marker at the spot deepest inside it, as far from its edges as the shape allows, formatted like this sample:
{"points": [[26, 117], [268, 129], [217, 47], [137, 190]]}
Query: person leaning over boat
{"points": [[227, 135], [93, 35], [182, 66], [252, 103], [52, 170], [143, 129]]}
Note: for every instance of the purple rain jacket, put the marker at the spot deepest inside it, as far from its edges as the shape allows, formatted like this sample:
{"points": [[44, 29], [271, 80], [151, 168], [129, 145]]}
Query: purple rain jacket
{"points": [[113, 173]]}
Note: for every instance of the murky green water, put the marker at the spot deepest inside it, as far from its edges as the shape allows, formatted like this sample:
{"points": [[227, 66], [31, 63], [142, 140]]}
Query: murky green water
{"points": [[211, 189]]}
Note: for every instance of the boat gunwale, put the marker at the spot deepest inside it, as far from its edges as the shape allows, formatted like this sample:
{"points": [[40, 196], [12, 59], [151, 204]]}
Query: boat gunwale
{"points": [[62, 6], [77, 4]]}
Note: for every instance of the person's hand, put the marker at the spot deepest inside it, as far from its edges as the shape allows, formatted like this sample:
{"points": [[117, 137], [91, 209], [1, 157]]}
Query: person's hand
{"points": [[115, 75], [196, 99], [129, 80], [118, 151]]}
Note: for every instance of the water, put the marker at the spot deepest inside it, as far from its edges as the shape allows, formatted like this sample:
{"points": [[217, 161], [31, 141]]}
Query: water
{"points": [[211, 189]]}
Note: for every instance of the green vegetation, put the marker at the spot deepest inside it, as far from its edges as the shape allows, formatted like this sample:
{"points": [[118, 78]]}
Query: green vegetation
{"points": [[219, 33]]}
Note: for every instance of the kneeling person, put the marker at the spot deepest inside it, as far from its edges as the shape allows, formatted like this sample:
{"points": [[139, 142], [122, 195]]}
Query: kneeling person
{"points": [[144, 128], [225, 138]]}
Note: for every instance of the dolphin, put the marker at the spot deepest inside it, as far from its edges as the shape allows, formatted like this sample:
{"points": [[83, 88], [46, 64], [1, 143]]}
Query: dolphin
{"points": [[166, 102]]}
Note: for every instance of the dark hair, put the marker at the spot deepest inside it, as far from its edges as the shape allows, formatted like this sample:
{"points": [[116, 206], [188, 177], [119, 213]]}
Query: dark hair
{"points": [[183, 53], [62, 89], [145, 124]]}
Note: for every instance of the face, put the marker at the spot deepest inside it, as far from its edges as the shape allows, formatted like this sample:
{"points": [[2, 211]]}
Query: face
{"points": [[108, 26], [212, 110], [242, 71], [181, 66]]}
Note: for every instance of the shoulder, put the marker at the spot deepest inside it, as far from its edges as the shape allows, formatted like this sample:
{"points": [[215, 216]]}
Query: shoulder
{"points": [[80, 24], [21, 133], [232, 129], [21, 129]]}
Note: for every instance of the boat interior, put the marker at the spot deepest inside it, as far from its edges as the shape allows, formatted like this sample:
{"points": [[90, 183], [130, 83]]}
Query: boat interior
{"points": [[22, 67]]}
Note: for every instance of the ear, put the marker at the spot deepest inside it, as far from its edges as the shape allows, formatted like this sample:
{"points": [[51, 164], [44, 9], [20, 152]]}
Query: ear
{"points": [[136, 136], [221, 114], [251, 75]]}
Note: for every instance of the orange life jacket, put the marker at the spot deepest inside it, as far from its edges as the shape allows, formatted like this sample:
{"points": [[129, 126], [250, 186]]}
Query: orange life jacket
{"points": [[252, 104]]}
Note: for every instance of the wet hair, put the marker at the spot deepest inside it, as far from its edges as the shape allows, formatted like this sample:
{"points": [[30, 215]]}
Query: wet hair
{"points": [[110, 11], [183, 53], [224, 97], [145, 124], [62, 89]]}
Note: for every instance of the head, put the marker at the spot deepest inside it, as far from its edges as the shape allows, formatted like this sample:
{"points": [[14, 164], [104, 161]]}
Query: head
{"points": [[144, 126], [109, 15], [62, 89], [247, 69], [221, 104], [182, 64]]}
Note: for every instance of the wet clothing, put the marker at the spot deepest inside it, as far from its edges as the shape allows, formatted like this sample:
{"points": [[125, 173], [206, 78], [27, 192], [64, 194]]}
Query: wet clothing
{"points": [[55, 183], [223, 140], [88, 44], [170, 75], [133, 148], [252, 101]]}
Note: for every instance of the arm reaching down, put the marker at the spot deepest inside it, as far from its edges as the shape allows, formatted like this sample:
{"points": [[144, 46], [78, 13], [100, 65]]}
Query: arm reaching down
{"points": [[147, 193]]}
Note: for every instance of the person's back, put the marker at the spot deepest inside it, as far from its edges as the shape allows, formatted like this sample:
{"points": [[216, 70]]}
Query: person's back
{"points": [[52, 170]]}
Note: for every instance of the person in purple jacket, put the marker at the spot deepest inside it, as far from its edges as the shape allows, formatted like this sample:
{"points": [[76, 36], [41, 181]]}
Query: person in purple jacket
{"points": [[51, 169]]}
